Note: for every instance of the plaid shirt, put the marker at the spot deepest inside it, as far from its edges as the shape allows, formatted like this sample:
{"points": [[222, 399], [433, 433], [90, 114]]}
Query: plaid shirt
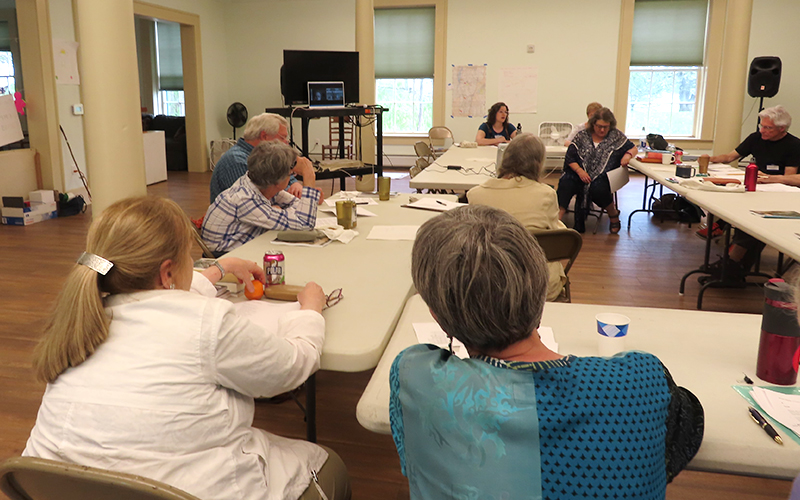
{"points": [[241, 213], [232, 165]]}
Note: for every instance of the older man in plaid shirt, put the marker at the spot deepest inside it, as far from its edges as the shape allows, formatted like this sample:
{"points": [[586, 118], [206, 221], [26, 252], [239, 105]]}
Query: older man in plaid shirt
{"points": [[257, 201]]}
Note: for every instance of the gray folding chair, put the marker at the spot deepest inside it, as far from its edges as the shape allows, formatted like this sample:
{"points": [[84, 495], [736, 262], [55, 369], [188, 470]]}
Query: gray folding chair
{"points": [[26, 478], [559, 245]]}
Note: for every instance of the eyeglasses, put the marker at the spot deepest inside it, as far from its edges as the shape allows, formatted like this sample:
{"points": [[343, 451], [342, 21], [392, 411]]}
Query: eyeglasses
{"points": [[602, 127], [333, 298], [767, 127]]}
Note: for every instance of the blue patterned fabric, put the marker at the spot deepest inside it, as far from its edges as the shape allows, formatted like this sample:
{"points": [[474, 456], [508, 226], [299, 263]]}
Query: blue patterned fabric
{"points": [[600, 424], [230, 166]]}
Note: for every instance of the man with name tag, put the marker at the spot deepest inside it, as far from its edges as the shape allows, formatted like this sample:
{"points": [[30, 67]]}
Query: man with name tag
{"points": [[776, 152], [265, 127]]}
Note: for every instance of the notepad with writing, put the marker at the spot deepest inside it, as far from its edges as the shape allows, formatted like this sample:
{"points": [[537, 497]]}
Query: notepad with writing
{"points": [[776, 416], [776, 214], [434, 204]]}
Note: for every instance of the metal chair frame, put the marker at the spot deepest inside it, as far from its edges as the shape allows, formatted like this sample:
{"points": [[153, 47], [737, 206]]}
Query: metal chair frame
{"points": [[558, 245]]}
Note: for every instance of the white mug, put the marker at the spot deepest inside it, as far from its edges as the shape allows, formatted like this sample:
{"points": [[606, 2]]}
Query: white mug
{"points": [[667, 158]]}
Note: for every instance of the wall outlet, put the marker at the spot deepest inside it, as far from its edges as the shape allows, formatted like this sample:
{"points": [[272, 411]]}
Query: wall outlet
{"points": [[77, 109], [531, 49]]}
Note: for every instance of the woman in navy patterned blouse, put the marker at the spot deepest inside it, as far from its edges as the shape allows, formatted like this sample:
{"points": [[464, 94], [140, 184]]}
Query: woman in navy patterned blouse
{"points": [[517, 420]]}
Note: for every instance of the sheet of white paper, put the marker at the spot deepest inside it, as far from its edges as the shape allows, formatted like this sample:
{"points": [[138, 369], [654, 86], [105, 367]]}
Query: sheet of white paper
{"points": [[65, 62], [469, 91], [393, 233], [776, 188], [326, 222], [435, 204], [548, 338], [518, 88], [10, 127], [432, 333], [785, 408], [265, 314]]}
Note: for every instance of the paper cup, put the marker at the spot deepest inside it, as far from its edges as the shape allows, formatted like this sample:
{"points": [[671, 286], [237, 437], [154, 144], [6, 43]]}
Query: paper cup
{"points": [[612, 328], [702, 162]]}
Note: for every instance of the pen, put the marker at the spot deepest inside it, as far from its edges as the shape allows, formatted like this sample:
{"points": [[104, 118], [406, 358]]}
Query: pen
{"points": [[762, 422], [441, 203]]}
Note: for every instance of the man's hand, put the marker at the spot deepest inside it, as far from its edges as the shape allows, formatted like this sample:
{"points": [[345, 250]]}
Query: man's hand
{"points": [[769, 179], [305, 168], [295, 189]]}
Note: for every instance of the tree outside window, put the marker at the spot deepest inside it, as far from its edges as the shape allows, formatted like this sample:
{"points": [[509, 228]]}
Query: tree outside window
{"points": [[662, 100], [410, 103]]}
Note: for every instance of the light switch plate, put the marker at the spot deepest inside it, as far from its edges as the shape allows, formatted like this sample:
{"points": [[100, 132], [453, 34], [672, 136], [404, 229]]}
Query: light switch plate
{"points": [[77, 109], [531, 49]]}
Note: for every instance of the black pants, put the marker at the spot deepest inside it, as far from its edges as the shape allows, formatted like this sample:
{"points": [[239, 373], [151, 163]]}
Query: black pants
{"points": [[752, 245], [570, 185]]}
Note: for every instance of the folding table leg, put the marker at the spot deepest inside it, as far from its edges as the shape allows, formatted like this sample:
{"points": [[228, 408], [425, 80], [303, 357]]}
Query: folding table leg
{"points": [[311, 408]]}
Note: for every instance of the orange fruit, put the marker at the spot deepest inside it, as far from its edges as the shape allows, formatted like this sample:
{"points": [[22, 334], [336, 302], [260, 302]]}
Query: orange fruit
{"points": [[257, 293]]}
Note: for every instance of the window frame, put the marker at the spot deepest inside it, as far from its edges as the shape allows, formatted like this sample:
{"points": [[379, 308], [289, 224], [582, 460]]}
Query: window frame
{"points": [[707, 87], [670, 69], [439, 62]]}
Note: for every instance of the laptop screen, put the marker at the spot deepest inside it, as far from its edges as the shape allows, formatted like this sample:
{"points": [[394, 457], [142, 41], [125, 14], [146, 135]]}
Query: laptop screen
{"points": [[322, 94]]}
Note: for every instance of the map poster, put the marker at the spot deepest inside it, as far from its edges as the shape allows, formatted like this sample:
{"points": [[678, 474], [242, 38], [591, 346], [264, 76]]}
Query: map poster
{"points": [[518, 89], [469, 91]]}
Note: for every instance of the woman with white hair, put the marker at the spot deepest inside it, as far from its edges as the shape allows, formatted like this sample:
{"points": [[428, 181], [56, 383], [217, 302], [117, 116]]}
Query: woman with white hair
{"points": [[515, 419], [518, 191]]}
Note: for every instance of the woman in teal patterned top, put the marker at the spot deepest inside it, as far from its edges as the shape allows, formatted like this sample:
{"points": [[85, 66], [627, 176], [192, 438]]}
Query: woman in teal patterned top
{"points": [[517, 420]]}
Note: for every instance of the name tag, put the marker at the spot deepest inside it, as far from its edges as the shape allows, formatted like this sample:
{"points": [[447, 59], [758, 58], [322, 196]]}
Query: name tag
{"points": [[773, 168]]}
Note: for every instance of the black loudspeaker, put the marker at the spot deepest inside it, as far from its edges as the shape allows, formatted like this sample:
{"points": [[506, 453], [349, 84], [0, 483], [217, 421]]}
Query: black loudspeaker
{"points": [[765, 77]]}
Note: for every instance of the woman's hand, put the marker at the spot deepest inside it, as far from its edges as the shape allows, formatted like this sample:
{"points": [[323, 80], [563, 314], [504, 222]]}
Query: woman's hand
{"points": [[312, 297], [583, 175], [242, 269]]}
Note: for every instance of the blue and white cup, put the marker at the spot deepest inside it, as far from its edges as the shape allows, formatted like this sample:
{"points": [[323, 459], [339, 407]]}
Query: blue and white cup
{"points": [[612, 329]]}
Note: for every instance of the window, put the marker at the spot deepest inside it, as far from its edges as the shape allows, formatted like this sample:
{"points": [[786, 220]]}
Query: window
{"points": [[7, 81], [169, 66], [662, 99], [666, 68], [404, 62]]}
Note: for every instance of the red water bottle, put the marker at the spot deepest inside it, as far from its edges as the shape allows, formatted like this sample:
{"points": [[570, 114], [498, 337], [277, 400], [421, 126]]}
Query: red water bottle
{"points": [[779, 346], [750, 177]]}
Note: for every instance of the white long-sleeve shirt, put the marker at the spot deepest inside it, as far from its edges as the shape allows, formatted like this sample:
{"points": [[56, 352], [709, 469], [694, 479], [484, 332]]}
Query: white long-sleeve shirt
{"points": [[169, 396]]}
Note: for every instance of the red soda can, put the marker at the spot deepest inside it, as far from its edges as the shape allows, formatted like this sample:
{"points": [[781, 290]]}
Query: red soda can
{"points": [[273, 267], [750, 177]]}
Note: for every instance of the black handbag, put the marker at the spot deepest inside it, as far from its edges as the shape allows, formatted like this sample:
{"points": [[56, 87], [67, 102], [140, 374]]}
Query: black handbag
{"points": [[657, 141], [74, 206]]}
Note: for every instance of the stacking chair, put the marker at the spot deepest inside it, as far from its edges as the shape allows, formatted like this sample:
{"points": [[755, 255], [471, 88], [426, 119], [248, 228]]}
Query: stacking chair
{"points": [[330, 151], [423, 151], [438, 137], [26, 478], [558, 245]]}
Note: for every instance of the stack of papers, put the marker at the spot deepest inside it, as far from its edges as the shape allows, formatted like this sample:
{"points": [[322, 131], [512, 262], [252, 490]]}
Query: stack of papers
{"points": [[783, 408]]}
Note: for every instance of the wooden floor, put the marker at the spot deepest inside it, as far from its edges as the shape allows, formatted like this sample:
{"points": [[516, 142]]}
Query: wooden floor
{"points": [[640, 267]]}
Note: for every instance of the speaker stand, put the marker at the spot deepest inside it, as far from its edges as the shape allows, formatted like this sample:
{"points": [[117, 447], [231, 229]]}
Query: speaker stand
{"points": [[758, 116]]}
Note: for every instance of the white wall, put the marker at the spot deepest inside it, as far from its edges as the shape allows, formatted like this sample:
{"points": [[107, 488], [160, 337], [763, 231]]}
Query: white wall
{"points": [[259, 30], [215, 52], [63, 28], [575, 54], [773, 32]]}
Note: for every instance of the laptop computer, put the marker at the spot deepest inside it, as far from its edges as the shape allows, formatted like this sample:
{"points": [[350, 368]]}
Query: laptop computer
{"points": [[325, 94]]}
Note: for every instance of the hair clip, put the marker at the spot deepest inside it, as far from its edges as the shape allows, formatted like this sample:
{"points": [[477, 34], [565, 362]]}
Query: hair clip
{"points": [[95, 263]]}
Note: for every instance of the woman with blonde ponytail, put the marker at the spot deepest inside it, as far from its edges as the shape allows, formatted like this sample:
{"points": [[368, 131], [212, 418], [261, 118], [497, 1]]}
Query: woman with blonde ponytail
{"points": [[148, 373]]}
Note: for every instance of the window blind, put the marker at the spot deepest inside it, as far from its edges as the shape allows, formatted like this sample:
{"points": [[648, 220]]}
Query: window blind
{"points": [[170, 64], [5, 37], [669, 32], [404, 42]]}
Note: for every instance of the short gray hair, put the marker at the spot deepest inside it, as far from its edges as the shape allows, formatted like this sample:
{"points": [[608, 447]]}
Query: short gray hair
{"points": [[265, 122], [779, 116], [482, 274], [524, 157], [270, 163]]}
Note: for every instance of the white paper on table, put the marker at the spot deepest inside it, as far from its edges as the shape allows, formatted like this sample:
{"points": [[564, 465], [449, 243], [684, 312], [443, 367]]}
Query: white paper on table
{"points": [[331, 202], [432, 333], [326, 222], [784, 408], [776, 188], [435, 204], [393, 233], [265, 314]]}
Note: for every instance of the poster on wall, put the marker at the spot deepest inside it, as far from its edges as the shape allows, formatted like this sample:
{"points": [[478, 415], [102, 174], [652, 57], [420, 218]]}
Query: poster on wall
{"points": [[65, 59], [469, 91], [517, 88], [10, 127]]}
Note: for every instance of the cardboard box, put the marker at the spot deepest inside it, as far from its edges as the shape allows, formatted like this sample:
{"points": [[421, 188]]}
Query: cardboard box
{"points": [[42, 196], [29, 218], [29, 210]]}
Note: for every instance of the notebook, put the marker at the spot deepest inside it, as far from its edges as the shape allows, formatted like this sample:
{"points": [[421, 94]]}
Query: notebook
{"points": [[325, 94]]}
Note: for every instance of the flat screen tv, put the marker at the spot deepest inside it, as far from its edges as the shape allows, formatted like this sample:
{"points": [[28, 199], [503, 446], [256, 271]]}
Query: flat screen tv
{"points": [[303, 66]]}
